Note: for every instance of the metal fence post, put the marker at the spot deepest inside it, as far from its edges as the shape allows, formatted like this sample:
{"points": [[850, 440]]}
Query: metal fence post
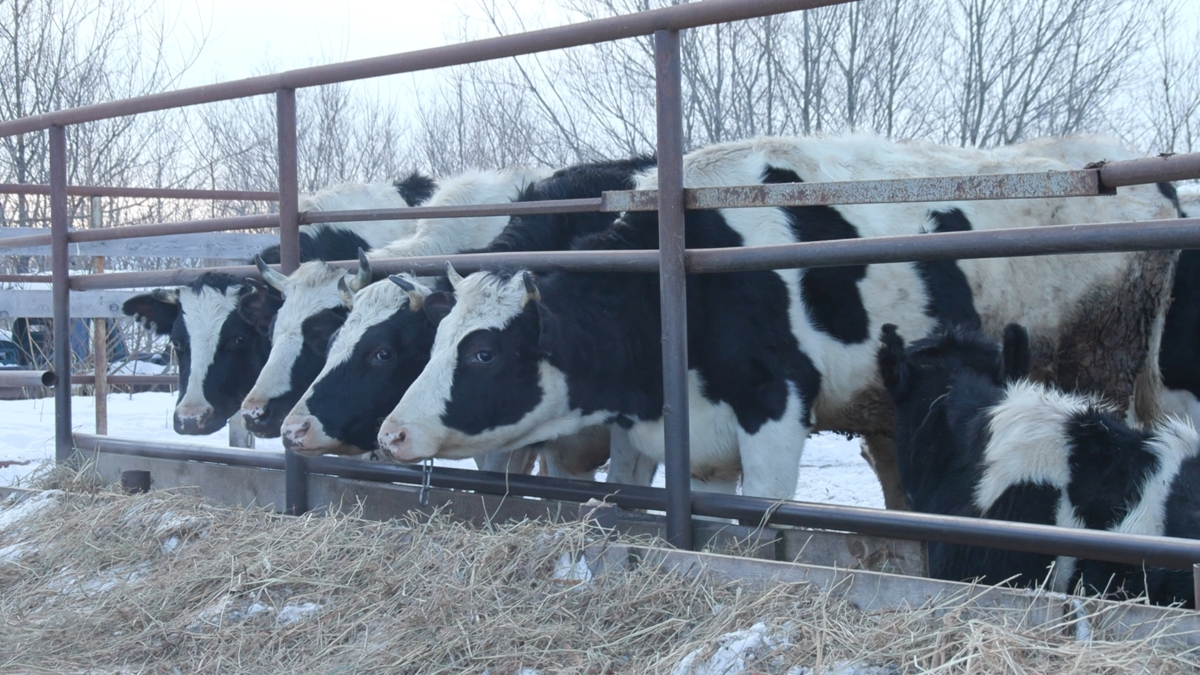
{"points": [[673, 287], [100, 340], [61, 294], [295, 467]]}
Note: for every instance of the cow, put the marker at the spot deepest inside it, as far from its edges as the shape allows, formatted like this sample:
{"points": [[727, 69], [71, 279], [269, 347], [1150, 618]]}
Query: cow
{"points": [[219, 351], [313, 309], [975, 438], [1179, 358], [774, 355], [340, 412]]}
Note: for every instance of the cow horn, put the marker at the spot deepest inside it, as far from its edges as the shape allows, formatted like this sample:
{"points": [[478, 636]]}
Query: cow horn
{"points": [[346, 293], [416, 301], [167, 295], [531, 289], [455, 277], [363, 278], [274, 278]]}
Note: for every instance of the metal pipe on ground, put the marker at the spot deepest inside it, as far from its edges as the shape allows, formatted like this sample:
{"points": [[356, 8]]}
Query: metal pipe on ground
{"points": [[28, 378]]}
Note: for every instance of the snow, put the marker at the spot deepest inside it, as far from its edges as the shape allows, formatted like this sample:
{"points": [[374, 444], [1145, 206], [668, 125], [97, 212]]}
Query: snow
{"points": [[832, 471], [15, 511], [733, 651]]}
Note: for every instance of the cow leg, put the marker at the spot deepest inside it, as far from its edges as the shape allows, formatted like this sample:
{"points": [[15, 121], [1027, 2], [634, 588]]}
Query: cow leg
{"points": [[771, 456], [880, 453], [626, 465]]}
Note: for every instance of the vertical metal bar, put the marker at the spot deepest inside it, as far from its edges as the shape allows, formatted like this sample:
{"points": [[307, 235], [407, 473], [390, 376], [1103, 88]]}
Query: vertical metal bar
{"points": [[295, 467], [100, 340], [673, 287], [61, 294], [1196, 584]]}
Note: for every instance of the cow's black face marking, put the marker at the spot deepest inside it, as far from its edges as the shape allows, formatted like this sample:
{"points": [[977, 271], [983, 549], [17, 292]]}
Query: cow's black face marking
{"points": [[352, 399], [830, 293], [950, 302], [496, 379], [240, 358]]}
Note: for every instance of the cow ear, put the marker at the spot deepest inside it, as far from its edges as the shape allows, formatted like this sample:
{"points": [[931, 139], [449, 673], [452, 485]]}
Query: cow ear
{"points": [[259, 306], [154, 311], [438, 304], [893, 364], [1017, 361], [548, 329]]}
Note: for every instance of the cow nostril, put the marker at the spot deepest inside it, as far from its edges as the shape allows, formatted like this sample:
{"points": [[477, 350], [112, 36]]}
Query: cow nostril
{"points": [[305, 425], [402, 436]]}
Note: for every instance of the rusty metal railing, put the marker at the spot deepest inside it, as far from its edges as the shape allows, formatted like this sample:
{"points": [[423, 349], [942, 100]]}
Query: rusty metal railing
{"points": [[671, 261]]}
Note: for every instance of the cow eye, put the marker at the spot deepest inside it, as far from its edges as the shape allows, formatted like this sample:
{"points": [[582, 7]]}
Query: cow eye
{"points": [[238, 341], [383, 354], [483, 356]]}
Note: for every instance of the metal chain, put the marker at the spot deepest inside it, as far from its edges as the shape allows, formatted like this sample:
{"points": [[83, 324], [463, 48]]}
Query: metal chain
{"points": [[426, 475]]}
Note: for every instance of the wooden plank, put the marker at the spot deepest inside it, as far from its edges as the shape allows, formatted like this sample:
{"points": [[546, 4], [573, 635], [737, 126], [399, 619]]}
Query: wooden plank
{"points": [[84, 304], [217, 245]]}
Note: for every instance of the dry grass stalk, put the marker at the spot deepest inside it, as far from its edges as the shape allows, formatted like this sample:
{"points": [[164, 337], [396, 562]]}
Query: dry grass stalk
{"points": [[92, 581]]}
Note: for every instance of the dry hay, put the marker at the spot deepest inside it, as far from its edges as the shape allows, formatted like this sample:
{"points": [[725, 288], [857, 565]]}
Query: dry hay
{"points": [[99, 582]]}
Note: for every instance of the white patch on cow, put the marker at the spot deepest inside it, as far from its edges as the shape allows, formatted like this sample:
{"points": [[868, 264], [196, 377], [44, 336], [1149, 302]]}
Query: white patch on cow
{"points": [[1029, 441], [309, 290], [372, 306], [204, 313], [1172, 442], [1182, 404], [771, 456], [357, 196], [444, 236]]}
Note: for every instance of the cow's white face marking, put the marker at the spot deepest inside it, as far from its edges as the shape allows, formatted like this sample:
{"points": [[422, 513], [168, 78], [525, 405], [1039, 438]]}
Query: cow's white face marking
{"points": [[204, 313]]}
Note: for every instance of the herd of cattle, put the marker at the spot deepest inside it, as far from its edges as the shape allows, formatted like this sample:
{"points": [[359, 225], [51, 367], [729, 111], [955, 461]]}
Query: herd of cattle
{"points": [[1082, 417]]}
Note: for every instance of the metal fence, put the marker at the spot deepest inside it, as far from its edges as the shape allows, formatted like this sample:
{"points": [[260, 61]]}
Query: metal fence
{"points": [[671, 261]]}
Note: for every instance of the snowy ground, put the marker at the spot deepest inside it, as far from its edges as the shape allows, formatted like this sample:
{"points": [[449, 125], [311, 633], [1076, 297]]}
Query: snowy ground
{"points": [[831, 472]]}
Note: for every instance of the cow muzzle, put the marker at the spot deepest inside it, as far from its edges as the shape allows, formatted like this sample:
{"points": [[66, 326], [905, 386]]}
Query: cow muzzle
{"points": [[401, 443], [257, 417], [196, 421]]}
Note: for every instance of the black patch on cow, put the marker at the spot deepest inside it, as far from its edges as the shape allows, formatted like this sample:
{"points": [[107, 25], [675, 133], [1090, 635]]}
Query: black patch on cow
{"points": [[317, 331], [1183, 521], [259, 306], [831, 294], [415, 188], [1179, 353], [490, 360], [152, 313], [352, 399], [1168, 191], [328, 242], [949, 295], [556, 232], [1109, 466]]}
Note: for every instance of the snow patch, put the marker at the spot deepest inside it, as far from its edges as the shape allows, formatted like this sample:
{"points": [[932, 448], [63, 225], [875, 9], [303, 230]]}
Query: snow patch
{"points": [[735, 651], [569, 571], [231, 610], [18, 510], [846, 668]]}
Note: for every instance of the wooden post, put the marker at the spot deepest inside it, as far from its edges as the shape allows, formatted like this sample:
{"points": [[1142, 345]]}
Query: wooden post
{"points": [[100, 341]]}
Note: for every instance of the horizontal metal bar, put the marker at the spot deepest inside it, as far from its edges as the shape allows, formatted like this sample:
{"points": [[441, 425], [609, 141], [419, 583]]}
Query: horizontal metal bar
{"points": [[589, 32], [27, 378], [25, 241], [179, 451], [26, 278], [131, 380], [181, 227], [1151, 170], [465, 211], [897, 190], [150, 193], [1150, 235], [1053, 239], [1092, 544]]}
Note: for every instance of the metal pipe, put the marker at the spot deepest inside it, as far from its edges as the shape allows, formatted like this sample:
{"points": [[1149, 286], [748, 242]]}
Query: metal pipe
{"points": [[1159, 169], [26, 278], [295, 465], [129, 380], [1053, 239], [100, 340], [137, 193], [60, 290], [589, 32], [463, 211], [179, 451], [27, 378], [898, 190], [672, 280], [26, 240], [1047, 539], [153, 230]]}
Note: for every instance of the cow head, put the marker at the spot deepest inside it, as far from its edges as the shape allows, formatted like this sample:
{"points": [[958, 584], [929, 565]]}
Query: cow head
{"points": [[312, 311], [488, 384], [218, 351], [926, 369], [380, 349]]}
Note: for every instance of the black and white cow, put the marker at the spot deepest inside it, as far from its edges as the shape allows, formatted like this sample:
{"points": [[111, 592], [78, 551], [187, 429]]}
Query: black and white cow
{"points": [[775, 355], [387, 337], [219, 324], [976, 439], [1180, 355], [313, 307]]}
